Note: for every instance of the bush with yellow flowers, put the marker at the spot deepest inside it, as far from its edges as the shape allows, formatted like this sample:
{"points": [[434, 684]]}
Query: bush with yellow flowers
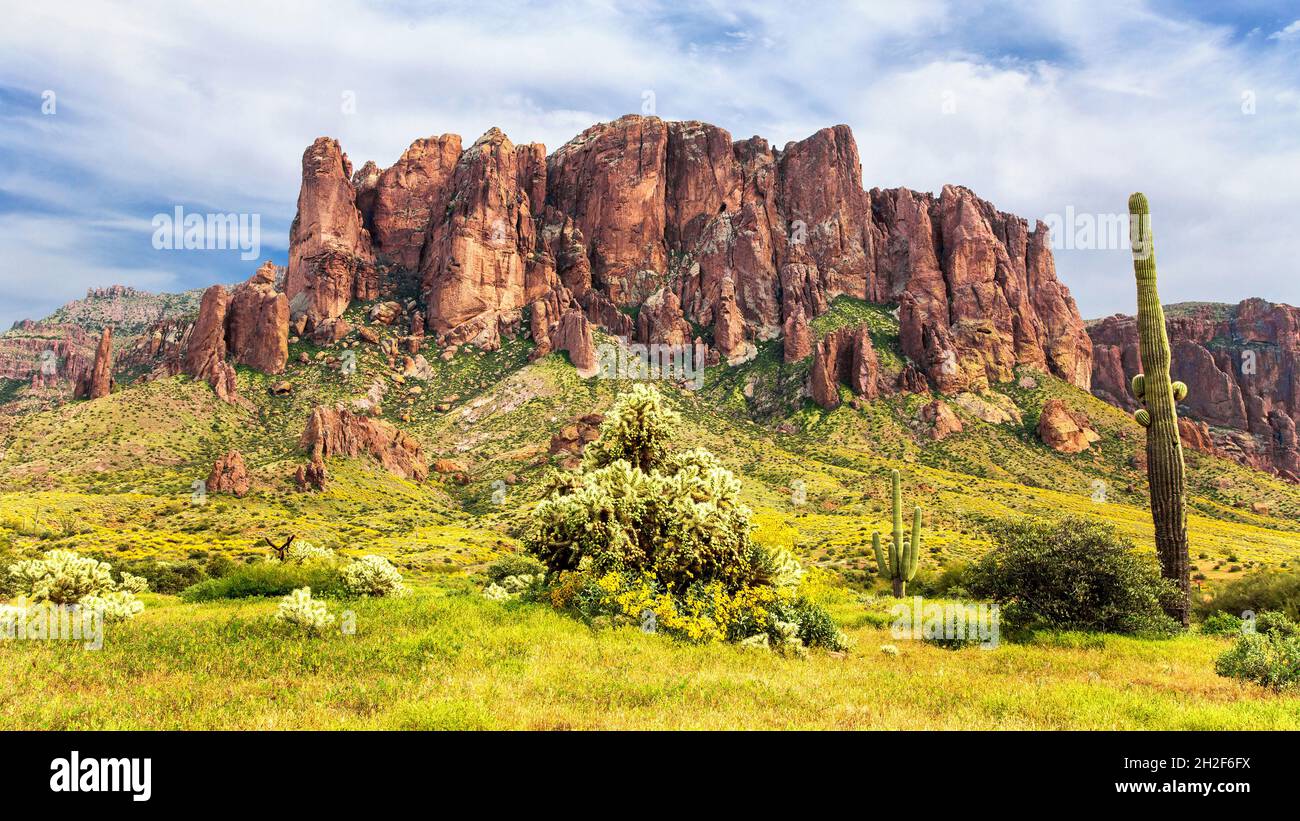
{"points": [[641, 535]]}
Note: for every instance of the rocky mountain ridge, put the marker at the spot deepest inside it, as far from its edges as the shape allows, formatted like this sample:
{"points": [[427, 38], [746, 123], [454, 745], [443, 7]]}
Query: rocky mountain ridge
{"points": [[1242, 367]]}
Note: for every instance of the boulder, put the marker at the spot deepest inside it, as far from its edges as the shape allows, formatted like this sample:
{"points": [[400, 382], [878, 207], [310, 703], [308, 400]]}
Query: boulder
{"points": [[229, 475], [1064, 430]]}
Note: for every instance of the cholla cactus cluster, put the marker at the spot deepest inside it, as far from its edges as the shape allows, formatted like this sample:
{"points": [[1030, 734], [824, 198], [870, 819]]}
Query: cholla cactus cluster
{"points": [[373, 576], [636, 507], [301, 611], [511, 586], [300, 552], [61, 577]]}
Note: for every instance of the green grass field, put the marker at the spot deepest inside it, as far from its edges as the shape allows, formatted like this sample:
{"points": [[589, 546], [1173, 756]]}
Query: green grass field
{"points": [[445, 658]]}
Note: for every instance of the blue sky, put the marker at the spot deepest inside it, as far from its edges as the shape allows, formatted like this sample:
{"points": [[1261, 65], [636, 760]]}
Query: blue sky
{"points": [[1044, 108]]}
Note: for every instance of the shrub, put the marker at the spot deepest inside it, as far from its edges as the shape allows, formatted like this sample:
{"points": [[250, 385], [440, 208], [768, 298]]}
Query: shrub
{"points": [[1260, 590], [516, 564], [267, 578], [1072, 574], [165, 576], [1271, 659], [304, 613], [1221, 624], [62, 577], [304, 551], [1275, 624], [372, 576], [636, 508]]}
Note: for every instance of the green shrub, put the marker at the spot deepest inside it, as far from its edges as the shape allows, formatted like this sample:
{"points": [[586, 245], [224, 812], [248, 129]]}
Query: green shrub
{"points": [[950, 582], [516, 564], [268, 578], [1072, 574], [1260, 590], [1270, 659], [174, 576], [1275, 624], [1221, 624]]}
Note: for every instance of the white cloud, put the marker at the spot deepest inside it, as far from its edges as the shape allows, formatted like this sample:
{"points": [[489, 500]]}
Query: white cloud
{"points": [[1291, 32], [1053, 104]]}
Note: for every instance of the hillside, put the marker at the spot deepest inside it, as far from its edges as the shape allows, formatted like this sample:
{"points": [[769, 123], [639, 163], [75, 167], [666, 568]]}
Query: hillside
{"points": [[117, 475]]}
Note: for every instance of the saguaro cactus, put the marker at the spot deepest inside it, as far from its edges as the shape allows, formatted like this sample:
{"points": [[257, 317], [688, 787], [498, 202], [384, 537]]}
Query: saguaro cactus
{"points": [[1159, 396], [899, 566]]}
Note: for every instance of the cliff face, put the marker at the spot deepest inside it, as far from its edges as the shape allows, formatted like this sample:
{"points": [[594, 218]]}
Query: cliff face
{"points": [[1242, 368], [742, 239]]}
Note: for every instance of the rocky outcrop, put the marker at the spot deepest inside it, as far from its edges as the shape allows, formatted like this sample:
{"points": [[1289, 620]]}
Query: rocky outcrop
{"points": [[205, 354], [477, 259], [257, 323], [797, 334], [339, 432], [1064, 430], [331, 260], [99, 382], [409, 196], [1241, 365], [229, 475], [939, 420], [679, 225], [844, 355]]}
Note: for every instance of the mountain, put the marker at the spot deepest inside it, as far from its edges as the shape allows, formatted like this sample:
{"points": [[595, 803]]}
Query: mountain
{"points": [[455, 312], [1241, 364]]}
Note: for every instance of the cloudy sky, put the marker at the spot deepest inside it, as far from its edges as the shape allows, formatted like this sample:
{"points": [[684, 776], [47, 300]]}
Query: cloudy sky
{"points": [[113, 113]]}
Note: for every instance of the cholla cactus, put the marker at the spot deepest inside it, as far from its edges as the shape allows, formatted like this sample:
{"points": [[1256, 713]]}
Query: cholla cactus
{"points": [[117, 606], [131, 583], [300, 610], [300, 552], [373, 576], [777, 567], [636, 430], [62, 577]]}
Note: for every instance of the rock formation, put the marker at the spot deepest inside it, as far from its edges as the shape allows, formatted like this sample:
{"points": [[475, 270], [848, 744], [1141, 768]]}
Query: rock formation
{"points": [[844, 355], [940, 420], [229, 475], [99, 382], [1064, 430], [1242, 367], [330, 256], [682, 226], [339, 432], [257, 323], [205, 354]]}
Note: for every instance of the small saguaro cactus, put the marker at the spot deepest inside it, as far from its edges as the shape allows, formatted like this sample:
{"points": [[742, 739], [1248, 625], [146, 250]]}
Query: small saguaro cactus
{"points": [[899, 565], [1159, 414]]}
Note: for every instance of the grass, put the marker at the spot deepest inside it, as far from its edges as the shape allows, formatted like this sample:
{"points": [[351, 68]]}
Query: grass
{"points": [[445, 658]]}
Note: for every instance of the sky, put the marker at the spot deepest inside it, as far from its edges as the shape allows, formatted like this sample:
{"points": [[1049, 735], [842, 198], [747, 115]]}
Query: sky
{"points": [[114, 113]]}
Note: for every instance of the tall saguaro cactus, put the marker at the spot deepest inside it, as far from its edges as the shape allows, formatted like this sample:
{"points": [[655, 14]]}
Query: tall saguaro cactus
{"points": [[1159, 396], [899, 565]]}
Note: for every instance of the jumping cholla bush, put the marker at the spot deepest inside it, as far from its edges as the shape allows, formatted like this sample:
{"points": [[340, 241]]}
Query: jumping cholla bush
{"points": [[300, 611], [646, 536], [61, 577], [372, 576], [301, 552]]}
